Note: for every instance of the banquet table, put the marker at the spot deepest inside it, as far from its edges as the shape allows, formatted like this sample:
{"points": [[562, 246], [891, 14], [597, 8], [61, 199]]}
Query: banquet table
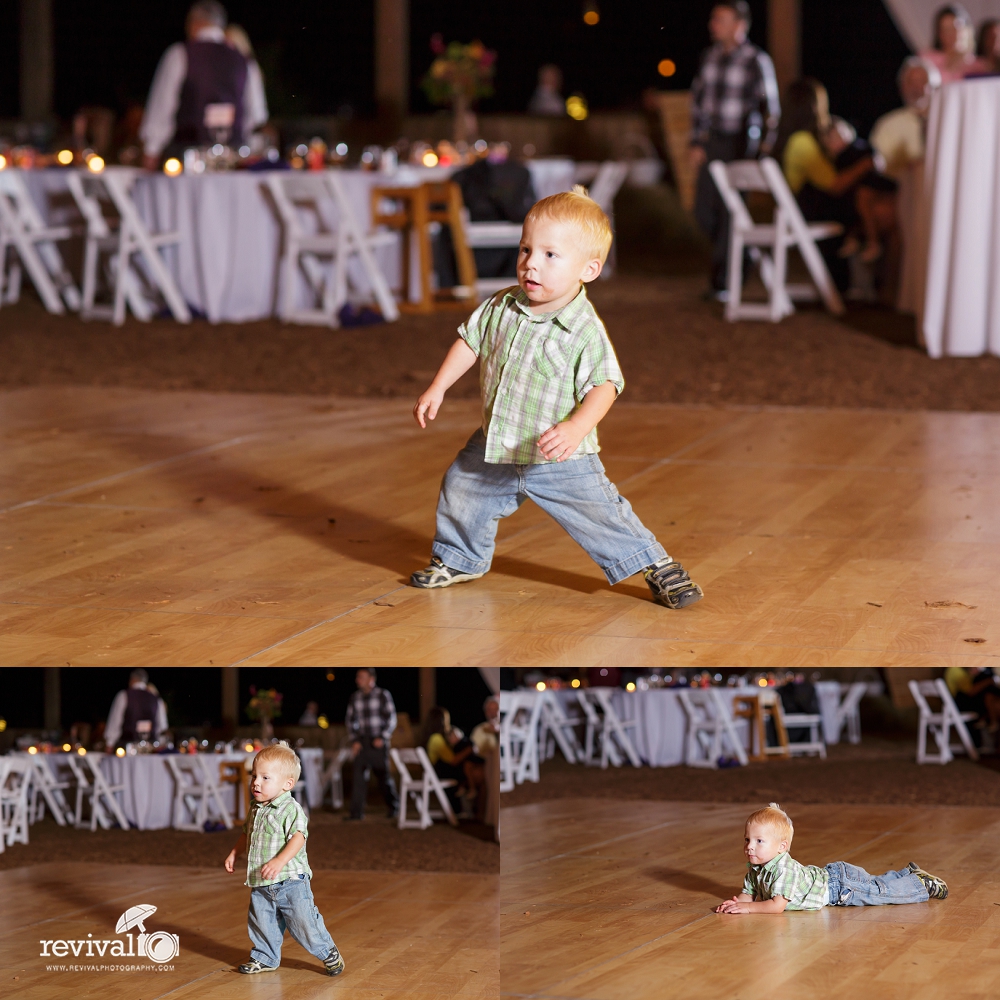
{"points": [[959, 223], [226, 262], [148, 795]]}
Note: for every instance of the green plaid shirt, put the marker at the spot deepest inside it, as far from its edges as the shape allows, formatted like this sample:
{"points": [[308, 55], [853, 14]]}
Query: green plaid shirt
{"points": [[268, 828], [806, 887], [535, 371]]}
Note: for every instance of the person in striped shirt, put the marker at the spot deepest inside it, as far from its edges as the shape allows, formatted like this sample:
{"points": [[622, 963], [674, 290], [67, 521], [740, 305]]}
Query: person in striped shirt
{"points": [[548, 375], [775, 882]]}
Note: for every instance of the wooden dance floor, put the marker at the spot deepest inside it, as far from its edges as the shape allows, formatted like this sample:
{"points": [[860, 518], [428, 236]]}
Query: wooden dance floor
{"points": [[144, 527], [429, 936], [605, 900]]}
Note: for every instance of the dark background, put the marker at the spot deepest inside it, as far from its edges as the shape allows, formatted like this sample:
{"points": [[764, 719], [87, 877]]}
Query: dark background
{"points": [[194, 695], [318, 58]]}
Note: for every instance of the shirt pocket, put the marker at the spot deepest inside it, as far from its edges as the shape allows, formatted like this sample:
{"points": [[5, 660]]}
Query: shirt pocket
{"points": [[551, 358]]}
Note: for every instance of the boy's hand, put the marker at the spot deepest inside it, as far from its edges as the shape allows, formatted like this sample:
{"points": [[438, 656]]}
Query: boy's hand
{"points": [[231, 861], [428, 404], [560, 442], [272, 868], [735, 905]]}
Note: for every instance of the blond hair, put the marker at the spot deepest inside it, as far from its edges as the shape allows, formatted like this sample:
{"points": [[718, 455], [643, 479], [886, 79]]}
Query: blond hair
{"points": [[283, 757], [776, 819], [579, 209]]}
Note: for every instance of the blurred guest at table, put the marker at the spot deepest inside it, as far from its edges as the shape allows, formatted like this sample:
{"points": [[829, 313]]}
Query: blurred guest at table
{"points": [[954, 42], [371, 721], [136, 714], [734, 115], [899, 135], [310, 717], [455, 759], [257, 113], [547, 98], [484, 736], [203, 91], [988, 44]]}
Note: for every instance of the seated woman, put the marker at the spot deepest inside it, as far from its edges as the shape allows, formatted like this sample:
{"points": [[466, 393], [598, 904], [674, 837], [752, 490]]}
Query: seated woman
{"points": [[975, 690], [454, 759], [988, 44], [954, 40], [807, 144]]}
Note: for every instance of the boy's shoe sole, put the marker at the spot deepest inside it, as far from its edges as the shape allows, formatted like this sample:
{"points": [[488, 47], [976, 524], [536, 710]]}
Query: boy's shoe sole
{"points": [[253, 967], [437, 575], [335, 967], [671, 586], [936, 887]]}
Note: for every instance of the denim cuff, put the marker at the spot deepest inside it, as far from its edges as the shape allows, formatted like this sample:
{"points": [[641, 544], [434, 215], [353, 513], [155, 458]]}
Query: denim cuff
{"points": [[455, 560], [640, 560]]}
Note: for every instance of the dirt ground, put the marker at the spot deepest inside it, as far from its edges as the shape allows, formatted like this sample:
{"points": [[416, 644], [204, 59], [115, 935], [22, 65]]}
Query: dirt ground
{"points": [[673, 346], [877, 771], [375, 844]]}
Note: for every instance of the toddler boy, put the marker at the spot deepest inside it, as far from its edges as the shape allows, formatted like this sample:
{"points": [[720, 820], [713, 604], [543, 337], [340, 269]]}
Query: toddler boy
{"points": [[278, 871], [775, 882], [548, 374]]}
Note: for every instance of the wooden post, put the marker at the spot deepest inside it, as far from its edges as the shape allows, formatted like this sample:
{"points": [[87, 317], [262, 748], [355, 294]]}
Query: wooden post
{"points": [[230, 699], [392, 62], [428, 691], [36, 60], [53, 699], [784, 39]]}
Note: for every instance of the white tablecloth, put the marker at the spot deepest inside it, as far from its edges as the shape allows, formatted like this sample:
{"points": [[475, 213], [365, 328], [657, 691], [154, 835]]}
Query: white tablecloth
{"points": [[226, 264], [961, 314]]}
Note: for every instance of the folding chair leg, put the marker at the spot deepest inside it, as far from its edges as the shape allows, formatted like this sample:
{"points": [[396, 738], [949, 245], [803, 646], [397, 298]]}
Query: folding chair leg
{"points": [[735, 274]]}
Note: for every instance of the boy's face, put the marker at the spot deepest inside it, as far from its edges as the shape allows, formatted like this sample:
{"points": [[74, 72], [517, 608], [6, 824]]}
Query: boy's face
{"points": [[551, 263], [268, 781], [762, 844]]}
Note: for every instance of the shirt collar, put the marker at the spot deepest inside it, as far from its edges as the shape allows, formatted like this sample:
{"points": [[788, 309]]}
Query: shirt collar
{"points": [[276, 801], [770, 865], [565, 317], [211, 33]]}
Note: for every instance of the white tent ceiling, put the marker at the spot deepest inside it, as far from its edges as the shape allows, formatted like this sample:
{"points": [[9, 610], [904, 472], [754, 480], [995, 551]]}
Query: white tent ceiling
{"points": [[914, 17]]}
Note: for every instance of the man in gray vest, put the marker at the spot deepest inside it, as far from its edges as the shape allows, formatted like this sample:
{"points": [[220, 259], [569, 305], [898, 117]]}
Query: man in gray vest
{"points": [[136, 714], [202, 93]]}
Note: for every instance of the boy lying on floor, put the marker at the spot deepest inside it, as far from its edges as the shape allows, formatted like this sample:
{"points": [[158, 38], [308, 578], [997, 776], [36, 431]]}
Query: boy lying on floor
{"points": [[776, 883]]}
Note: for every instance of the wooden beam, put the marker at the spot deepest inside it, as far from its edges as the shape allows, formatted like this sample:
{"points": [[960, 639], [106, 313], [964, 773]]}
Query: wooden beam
{"points": [[53, 699], [392, 60], [428, 691], [784, 39], [230, 699], [37, 77]]}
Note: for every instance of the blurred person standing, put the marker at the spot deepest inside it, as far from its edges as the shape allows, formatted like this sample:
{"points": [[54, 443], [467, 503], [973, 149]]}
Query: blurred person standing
{"points": [[547, 98], [734, 116], [988, 44], [954, 42], [198, 84], [136, 714], [371, 721], [900, 135], [485, 736], [255, 112]]}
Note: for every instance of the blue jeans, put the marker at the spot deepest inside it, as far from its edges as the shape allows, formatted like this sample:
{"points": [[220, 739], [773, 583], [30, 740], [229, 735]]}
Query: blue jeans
{"points": [[576, 493], [853, 886], [286, 904]]}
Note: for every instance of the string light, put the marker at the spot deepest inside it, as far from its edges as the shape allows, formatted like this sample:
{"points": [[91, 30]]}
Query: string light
{"points": [[540, 686], [172, 167], [575, 682], [67, 747], [3, 161], [591, 15], [323, 722], [430, 158], [120, 752], [65, 157], [81, 751], [95, 164], [666, 67], [576, 107], [630, 686]]}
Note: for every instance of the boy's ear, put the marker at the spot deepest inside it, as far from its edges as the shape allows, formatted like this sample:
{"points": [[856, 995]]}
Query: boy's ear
{"points": [[591, 270]]}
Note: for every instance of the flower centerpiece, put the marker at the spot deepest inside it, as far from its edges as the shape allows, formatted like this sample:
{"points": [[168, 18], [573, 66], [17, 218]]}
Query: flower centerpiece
{"points": [[460, 75], [263, 707]]}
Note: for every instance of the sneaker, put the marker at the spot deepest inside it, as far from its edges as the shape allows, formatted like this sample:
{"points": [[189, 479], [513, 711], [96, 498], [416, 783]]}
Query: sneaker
{"points": [[253, 966], [438, 575], [334, 963], [936, 887], [671, 586]]}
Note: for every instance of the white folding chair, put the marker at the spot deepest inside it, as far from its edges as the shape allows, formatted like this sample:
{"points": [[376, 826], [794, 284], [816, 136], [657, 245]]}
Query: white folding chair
{"points": [[554, 722], [421, 789], [300, 197], [614, 730], [135, 239], [940, 723], [4, 762], [196, 793], [15, 784], [47, 789], [522, 735], [849, 709], [491, 235], [103, 237], [333, 777], [94, 788], [709, 723], [605, 186], [770, 243], [23, 229]]}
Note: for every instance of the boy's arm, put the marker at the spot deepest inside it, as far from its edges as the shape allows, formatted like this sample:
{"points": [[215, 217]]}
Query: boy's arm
{"points": [[271, 869], [236, 852], [457, 362], [743, 903], [560, 442]]}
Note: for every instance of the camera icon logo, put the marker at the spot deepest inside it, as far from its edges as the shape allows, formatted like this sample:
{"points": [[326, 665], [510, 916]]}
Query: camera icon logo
{"points": [[160, 946]]}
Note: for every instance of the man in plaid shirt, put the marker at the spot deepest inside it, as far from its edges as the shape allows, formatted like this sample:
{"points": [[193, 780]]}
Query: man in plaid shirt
{"points": [[371, 721], [734, 116]]}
